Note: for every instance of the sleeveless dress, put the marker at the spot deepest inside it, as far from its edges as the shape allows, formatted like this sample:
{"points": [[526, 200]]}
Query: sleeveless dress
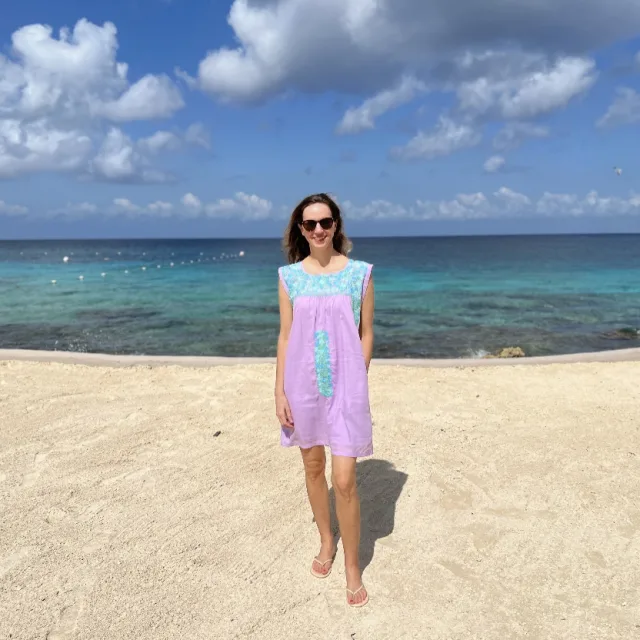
{"points": [[325, 376]]}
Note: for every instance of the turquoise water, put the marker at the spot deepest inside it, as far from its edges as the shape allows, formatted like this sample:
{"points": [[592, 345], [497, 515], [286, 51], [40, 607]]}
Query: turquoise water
{"points": [[435, 297]]}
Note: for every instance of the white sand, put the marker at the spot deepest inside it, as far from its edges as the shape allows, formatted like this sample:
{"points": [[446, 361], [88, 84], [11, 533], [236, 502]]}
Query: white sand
{"points": [[502, 502]]}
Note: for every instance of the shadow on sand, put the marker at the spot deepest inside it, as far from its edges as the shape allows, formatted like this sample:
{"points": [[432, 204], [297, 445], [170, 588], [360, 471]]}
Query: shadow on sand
{"points": [[379, 487]]}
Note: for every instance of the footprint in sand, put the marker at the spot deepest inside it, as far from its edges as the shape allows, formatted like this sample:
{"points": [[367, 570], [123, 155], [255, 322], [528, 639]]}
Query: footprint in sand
{"points": [[458, 570], [9, 562], [484, 537], [101, 539], [66, 626], [31, 478], [451, 498], [92, 510], [129, 476]]}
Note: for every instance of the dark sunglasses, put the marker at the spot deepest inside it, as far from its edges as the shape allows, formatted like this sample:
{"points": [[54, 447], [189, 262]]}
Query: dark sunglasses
{"points": [[325, 223]]}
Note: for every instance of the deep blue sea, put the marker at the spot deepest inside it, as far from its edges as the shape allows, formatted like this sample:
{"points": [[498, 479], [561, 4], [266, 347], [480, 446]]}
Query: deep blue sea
{"points": [[435, 297]]}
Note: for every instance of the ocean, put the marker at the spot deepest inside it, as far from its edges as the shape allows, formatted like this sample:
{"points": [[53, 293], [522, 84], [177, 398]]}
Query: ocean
{"points": [[435, 297]]}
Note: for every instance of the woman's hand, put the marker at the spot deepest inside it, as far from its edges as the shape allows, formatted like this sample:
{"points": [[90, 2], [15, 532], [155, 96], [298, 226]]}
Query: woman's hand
{"points": [[283, 411]]}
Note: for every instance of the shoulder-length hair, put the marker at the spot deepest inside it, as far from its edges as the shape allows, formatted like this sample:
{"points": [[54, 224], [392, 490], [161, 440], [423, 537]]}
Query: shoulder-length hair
{"points": [[295, 244]]}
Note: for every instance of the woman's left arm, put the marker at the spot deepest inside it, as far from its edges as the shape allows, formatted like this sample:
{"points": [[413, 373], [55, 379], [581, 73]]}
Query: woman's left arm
{"points": [[366, 323]]}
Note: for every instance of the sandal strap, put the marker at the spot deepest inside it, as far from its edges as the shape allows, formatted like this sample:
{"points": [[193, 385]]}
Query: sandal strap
{"points": [[322, 563], [353, 593]]}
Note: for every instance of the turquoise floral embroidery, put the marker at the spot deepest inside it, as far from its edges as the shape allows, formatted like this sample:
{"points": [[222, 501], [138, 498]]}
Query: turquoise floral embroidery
{"points": [[349, 282], [323, 364]]}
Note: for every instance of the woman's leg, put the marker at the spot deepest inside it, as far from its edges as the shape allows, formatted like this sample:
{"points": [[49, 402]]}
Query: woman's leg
{"points": [[314, 471], [343, 478]]}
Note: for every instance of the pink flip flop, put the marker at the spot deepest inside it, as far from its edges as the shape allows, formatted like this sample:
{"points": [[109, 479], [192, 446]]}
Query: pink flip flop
{"points": [[317, 574], [353, 595]]}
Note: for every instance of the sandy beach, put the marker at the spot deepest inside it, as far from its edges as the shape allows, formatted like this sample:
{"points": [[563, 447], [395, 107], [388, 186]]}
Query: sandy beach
{"points": [[501, 502]]}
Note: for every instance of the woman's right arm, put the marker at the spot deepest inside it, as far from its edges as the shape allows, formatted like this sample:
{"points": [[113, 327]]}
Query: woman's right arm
{"points": [[286, 318]]}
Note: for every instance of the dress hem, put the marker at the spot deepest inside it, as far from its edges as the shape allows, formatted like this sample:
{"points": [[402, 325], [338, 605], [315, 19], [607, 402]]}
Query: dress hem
{"points": [[366, 454]]}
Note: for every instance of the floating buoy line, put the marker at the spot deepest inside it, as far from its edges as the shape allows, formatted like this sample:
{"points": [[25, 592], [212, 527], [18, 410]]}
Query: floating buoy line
{"points": [[67, 260]]}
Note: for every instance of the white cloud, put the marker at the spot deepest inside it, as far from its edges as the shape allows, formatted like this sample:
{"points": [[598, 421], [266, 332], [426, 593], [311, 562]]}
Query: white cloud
{"points": [[31, 146], [242, 206], [119, 161], [494, 164], [160, 141], [12, 209], [367, 45], [513, 134], [504, 203], [74, 210], [198, 135], [191, 202], [512, 200], [530, 92], [447, 137], [149, 98], [624, 110], [58, 93], [361, 118]]}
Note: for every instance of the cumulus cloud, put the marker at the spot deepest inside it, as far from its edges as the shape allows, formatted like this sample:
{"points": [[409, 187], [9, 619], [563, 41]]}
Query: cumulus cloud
{"points": [[494, 164], [513, 134], [242, 206], [118, 160], [624, 110], [366, 46], [198, 135], [361, 118], [447, 137], [503, 203], [12, 209], [191, 202], [163, 141], [58, 93], [530, 93]]}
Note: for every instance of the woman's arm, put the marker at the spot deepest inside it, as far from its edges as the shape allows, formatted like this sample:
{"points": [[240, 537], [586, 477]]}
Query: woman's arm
{"points": [[286, 318], [366, 323]]}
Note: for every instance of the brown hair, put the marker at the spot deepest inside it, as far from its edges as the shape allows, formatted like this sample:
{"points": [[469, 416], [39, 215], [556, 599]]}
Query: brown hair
{"points": [[295, 244]]}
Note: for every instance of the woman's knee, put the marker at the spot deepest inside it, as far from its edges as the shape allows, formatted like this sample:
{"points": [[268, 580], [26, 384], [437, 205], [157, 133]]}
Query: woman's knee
{"points": [[314, 464], [344, 483]]}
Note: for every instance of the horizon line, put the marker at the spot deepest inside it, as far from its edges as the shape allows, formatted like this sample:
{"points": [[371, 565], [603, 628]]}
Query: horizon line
{"points": [[375, 237]]}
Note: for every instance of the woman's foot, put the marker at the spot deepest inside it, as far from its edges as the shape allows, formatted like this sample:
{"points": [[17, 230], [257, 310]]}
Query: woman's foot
{"points": [[323, 562], [357, 595]]}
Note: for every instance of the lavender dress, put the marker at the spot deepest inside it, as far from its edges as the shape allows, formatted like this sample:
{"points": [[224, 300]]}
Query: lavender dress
{"points": [[325, 377]]}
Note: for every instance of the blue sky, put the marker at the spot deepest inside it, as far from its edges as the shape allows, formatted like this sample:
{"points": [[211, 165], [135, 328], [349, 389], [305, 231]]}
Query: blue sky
{"points": [[420, 119]]}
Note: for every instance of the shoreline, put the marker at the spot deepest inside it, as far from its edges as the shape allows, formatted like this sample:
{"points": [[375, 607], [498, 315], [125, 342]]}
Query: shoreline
{"points": [[110, 360]]}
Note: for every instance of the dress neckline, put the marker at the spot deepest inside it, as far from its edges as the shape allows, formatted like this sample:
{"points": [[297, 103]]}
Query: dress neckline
{"points": [[331, 273]]}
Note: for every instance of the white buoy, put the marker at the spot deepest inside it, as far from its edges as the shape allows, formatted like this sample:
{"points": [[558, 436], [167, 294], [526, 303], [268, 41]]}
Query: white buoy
{"points": [[65, 259], [103, 274], [54, 281], [158, 266], [144, 268], [171, 264], [126, 270], [80, 277], [241, 254]]}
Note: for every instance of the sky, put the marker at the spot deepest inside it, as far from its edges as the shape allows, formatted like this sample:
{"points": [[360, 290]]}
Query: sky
{"points": [[211, 118]]}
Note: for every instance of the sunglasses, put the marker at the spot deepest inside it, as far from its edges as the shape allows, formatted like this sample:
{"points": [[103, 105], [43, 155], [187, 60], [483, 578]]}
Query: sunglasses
{"points": [[325, 223]]}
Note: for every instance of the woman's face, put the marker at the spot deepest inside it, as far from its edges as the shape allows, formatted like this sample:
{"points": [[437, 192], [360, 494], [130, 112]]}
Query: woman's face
{"points": [[316, 235]]}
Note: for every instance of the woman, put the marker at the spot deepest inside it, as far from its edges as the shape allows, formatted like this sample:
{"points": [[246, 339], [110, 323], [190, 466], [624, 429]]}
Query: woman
{"points": [[322, 393]]}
